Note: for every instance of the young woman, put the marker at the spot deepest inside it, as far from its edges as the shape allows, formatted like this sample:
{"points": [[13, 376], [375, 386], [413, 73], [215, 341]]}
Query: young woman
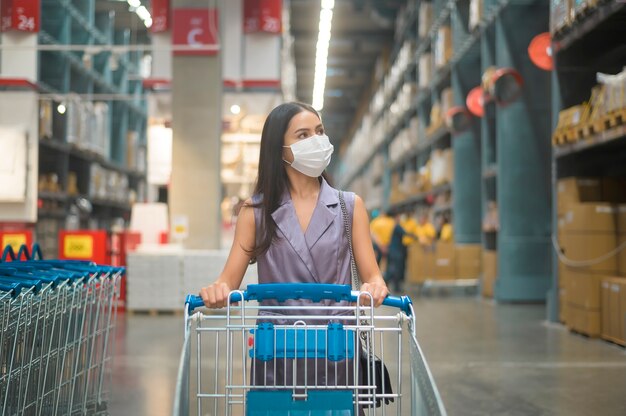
{"points": [[293, 228], [293, 225]]}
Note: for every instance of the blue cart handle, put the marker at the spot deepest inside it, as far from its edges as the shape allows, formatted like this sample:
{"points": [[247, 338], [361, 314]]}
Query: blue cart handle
{"points": [[8, 253], [312, 291]]}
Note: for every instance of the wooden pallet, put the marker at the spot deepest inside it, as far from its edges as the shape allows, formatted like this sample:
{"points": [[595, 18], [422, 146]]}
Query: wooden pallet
{"points": [[586, 130], [620, 342], [582, 333], [610, 121], [565, 136]]}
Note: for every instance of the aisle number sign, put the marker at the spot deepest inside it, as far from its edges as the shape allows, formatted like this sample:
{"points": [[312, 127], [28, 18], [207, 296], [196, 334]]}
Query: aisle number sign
{"points": [[195, 31], [21, 15], [78, 246], [14, 240]]}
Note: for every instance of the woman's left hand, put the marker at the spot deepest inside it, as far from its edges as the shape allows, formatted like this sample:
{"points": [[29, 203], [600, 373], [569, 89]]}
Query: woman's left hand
{"points": [[378, 290]]}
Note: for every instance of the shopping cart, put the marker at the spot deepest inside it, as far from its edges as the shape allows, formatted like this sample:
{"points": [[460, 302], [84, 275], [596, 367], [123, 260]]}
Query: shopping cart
{"points": [[55, 345], [322, 357]]}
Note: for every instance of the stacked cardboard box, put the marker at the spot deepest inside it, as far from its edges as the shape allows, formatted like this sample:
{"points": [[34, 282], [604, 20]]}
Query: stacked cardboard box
{"points": [[420, 263], [468, 261], [586, 231], [444, 267], [613, 293], [621, 239], [588, 228], [443, 261], [490, 272]]}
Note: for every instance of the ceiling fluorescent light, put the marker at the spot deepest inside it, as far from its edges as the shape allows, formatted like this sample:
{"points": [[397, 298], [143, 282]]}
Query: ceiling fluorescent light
{"points": [[321, 53]]}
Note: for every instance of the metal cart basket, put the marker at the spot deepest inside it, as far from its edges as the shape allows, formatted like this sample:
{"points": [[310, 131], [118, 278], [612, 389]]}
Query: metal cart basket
{"points": [[55, 339], [323, 355]]}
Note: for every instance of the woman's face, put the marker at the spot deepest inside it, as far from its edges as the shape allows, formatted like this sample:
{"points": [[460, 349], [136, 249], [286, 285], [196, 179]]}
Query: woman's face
{"points": [[303, 125]]}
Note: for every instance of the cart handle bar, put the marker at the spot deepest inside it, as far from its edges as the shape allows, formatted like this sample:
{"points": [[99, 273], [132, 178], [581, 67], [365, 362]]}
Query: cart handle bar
{"points": [[312, 291]]}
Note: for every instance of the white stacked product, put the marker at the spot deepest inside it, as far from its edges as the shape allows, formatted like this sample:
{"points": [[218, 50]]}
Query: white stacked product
{"points": [[425, 19], [154, 281], [160, 279], [400, 145], [101, 133], [201, 267]]}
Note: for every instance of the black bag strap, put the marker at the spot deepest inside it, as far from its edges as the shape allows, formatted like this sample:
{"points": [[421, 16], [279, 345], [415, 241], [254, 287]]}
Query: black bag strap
{"points": [[347, 226]]}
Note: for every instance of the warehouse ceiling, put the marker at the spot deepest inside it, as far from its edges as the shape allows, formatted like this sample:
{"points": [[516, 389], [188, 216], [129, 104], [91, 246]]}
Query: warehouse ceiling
{"points": [[361, 30]]}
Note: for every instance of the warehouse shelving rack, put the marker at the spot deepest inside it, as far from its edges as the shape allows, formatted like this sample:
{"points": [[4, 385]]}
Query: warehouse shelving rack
{"points": [[93, 73], [503, 157], [582, 49]]}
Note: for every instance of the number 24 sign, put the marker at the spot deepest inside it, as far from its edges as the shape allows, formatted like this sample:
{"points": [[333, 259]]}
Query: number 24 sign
{"points": [[20, 15]]}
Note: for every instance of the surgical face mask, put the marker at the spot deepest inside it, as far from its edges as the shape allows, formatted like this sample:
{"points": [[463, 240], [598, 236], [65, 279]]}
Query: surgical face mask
{"points": [[311, 155]]}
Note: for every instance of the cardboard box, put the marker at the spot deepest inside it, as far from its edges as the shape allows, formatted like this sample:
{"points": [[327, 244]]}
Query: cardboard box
{"points": [[588, 217], [420, 263], [613, 190], [589, 246], [584, 290], [614, 309], [586, 321], [563, 305], [621, 256], [618, 310], [605, 291], [621, 219], [575, 190], [468, 261], [490, 272], [445, 261]]}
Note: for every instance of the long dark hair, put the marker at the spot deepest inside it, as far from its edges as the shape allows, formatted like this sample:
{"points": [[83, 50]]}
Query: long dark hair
{"points": [[272, 179]]}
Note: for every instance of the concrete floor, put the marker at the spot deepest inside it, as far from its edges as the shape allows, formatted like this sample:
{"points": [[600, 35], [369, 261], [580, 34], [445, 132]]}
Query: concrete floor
{"points": [[487, 359]]}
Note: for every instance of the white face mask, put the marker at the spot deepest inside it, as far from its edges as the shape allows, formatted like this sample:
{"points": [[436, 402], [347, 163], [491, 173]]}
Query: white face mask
{"points": [[311, 155]]}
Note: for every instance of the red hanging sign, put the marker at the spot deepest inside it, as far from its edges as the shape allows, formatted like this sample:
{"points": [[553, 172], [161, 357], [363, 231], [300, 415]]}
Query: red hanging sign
{"points": [[262, 16], [20, 15], [160, 16], [195, 32]]}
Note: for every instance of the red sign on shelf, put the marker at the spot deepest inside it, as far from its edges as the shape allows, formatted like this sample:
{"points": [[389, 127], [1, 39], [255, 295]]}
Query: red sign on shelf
{"points": [[160, 16], [262, 16], [85, 245], [195, 32], [20, 15]]}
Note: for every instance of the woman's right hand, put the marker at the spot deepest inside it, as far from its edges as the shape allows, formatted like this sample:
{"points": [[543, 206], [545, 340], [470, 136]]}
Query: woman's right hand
{"points": [[215, 295]]}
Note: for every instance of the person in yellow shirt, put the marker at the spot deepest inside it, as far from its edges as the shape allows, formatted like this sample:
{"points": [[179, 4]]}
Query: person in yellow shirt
{"points": [[446, 232], [425, 231], [381, 228], [410, 225]]}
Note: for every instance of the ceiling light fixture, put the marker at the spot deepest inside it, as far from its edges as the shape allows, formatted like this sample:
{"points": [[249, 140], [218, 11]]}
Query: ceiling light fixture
{"points": [[321, 53], [235, 109]]}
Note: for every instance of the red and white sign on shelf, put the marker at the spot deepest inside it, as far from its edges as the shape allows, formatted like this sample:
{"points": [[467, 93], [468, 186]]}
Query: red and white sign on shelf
{"points": [[160, 16], [262, 16], [195, 32], [20, 15]]}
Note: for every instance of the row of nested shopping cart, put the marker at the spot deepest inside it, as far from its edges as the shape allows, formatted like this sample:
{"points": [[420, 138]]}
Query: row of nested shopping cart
{"points": [[57, 318]]}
